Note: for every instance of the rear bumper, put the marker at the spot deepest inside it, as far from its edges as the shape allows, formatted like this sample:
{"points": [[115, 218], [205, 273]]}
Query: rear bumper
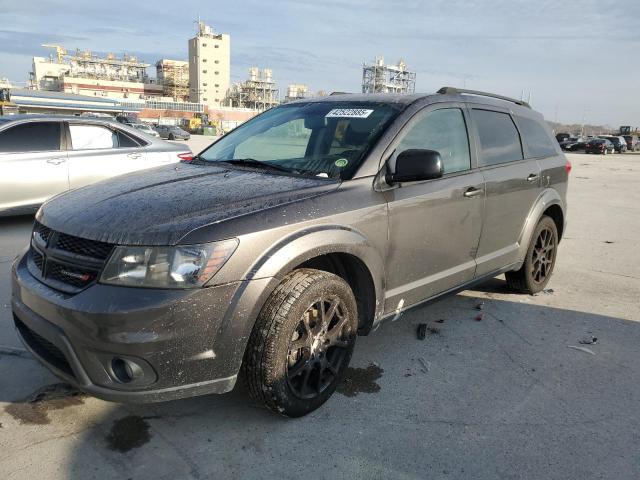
{"points": [[182, 343]]}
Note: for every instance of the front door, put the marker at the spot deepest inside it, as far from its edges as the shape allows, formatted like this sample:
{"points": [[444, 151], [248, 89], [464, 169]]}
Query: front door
{"points": [[434, 225]]}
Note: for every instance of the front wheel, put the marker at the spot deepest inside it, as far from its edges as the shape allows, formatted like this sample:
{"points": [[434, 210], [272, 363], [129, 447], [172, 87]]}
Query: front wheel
{"points": [[301, 343], [538, 265]]}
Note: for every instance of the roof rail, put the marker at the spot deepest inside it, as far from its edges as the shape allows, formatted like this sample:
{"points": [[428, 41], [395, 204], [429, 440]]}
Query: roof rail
{"points": [[339, 93], [454, 91]]}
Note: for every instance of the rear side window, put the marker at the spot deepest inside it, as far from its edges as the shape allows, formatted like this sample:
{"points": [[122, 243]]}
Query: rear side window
{"points": [[499, 138], [92, 137], [31, 137], [444, 131], [125, 141], [535, 138]]}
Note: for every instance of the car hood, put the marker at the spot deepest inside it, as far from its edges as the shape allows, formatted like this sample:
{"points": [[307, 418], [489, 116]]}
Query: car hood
{"points": [[161, 205]]}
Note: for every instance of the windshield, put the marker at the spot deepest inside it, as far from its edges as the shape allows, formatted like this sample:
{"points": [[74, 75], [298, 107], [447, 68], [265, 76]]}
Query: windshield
{"points": [[327, 139]]}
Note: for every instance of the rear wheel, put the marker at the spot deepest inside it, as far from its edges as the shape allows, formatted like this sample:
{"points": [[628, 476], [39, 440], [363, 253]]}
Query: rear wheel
{"points": [[301, 343], [171, 137], [536, 271]]}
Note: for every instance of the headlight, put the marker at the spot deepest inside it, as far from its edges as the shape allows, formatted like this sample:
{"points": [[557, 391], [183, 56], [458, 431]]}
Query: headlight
{"points": [[183, 266]]}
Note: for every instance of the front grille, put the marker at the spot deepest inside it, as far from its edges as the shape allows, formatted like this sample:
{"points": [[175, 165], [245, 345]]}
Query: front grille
{"points": [[65, 262], [81, 246], [44, 348], [76, 277], [44, 232], [38, 259]]}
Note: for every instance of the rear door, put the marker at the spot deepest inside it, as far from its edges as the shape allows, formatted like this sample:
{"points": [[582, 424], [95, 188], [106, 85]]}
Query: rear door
{"points": [[33, 164], [512, 185], [434, 225], [99, 151]]}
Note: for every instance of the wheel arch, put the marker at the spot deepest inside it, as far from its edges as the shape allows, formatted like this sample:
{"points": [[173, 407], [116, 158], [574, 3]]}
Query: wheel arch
{"points": [[340, 250], [548, 203]]}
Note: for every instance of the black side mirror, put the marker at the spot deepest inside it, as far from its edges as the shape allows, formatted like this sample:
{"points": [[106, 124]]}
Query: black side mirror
{"points": [[415, 165]]}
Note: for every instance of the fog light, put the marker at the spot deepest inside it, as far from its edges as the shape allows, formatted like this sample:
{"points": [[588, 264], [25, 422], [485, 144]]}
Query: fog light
{"points": [[125, 370]]}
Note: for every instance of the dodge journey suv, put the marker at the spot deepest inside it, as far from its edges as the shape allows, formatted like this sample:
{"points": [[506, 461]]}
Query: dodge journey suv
{"points": [[268, 253]]}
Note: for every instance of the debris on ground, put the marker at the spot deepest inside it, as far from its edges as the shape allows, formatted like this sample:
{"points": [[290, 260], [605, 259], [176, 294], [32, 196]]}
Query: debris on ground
{"points": [[588, 341], [426, 366], [425, 328], [582, 349], [422, 331], [440, 320], [479, 317], [608, 241], [548, 291]]}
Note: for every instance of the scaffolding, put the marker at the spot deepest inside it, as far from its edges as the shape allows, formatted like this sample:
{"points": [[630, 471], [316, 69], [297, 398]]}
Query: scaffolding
{"points": [[380, 78], [173, 75], [259, 92]]}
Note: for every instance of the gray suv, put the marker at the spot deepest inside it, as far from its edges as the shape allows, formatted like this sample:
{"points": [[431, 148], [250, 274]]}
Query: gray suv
{"points": [[267, 254]]}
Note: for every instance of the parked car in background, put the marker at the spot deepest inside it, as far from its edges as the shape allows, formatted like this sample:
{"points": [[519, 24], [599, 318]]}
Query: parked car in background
{"points": [[148, 129], [619, 143], [599, 145], [41, 156], [172, 132], [633, 145], [126, 119], [573, 144], [561, 137], [271, 250]]}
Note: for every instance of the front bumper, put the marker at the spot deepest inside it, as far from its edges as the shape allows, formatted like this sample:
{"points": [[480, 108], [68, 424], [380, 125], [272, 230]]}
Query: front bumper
{"points": [[182, 342]]}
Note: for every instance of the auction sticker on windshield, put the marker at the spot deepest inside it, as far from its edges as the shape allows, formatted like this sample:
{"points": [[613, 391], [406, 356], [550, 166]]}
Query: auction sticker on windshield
{"points": [[349, 113]]}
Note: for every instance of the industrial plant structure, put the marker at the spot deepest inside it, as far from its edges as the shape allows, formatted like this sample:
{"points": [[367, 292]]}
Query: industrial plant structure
{"points": [[173, 75], [296, 91], [209, 66], [84, 73], [259, 92], [380, 78]]}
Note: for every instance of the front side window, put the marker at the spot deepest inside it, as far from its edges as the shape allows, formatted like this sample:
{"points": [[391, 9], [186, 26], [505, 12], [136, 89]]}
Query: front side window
{"points": [[31, 137], [92, 137], [499, 138], [327, 139], [536, 139], [444, 131]]}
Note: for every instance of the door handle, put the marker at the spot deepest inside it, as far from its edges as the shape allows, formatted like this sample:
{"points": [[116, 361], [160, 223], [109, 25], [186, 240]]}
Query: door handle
{"points": [[56, 161], [532, 177], [134, 155], [473, 192]]}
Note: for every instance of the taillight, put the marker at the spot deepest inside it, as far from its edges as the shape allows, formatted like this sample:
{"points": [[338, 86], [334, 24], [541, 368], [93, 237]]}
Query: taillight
{"points": [[185, 157], [567, 167]]}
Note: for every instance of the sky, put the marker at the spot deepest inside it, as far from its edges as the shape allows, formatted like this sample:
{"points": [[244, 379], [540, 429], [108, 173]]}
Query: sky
{"points": [[577, 58]]}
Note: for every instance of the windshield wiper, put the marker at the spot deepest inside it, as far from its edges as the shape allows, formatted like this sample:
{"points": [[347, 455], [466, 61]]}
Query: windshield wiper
{"points": [[252, 162]]}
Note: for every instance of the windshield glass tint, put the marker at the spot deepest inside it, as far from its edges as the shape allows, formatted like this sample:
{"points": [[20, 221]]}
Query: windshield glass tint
{"points": [[327, 139]]}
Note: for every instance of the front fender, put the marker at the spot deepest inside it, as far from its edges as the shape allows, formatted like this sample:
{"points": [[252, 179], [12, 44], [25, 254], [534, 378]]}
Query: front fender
{"points": [[311, 242], [547, 198]]}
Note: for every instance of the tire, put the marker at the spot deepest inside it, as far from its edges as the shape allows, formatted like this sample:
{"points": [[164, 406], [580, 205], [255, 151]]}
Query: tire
{"points": [[171, 137], [537, 268], [295, 358]]}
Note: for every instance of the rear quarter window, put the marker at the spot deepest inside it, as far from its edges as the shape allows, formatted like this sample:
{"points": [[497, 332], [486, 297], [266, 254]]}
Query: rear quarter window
{"points": [[535, 138], [499, 137]]}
